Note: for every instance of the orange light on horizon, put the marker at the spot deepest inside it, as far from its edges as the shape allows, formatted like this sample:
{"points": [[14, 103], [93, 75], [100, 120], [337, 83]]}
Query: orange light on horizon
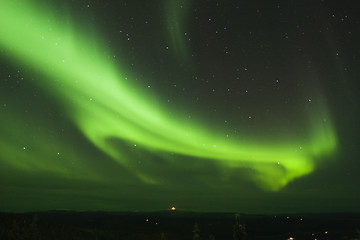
{"points": [[173, 208]]}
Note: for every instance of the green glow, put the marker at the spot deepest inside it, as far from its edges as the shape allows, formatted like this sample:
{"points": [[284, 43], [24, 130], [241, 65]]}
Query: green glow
{"points": [[43, 154], [101, 104], [176, 16]]}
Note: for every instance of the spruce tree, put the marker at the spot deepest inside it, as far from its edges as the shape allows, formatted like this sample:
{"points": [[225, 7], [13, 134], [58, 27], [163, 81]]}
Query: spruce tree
{"points": [[239, 229], [196, 232], [357, 237], [14, 231], [32, 231], [162, 236]]}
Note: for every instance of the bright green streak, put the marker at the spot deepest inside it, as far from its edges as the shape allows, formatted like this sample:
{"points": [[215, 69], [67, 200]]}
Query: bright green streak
{"points": [[101, 103]]}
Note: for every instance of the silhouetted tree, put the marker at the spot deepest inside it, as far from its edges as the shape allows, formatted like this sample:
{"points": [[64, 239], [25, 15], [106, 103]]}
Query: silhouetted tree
{"points": [[196, 232], [31, 231], [162, 236], [239, 229], [14, 231], [357, 237]]}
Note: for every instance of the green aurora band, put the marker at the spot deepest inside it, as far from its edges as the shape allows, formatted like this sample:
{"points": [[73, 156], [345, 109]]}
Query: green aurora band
{"points": [[106, 108]]}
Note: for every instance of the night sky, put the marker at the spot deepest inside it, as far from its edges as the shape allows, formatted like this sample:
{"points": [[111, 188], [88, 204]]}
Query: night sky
{"points": [[247, 106]]}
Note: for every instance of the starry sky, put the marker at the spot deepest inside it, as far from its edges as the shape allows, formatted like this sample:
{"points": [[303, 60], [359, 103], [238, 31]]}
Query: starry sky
{"points": [[202, 105]]}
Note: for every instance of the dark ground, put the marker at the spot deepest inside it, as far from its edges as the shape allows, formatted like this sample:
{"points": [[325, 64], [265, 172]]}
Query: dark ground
{"points": [[174, 225]]}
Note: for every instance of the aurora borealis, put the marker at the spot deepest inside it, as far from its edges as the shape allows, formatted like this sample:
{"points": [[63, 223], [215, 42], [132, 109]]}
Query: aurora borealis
{"points": [[110, 107]]}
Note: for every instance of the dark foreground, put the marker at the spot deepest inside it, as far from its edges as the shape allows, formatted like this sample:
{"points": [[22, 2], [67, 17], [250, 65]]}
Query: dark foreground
{"points": [[174, 225]]}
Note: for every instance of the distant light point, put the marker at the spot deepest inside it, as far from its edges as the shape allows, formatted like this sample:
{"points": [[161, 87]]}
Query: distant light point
{"points": [[173, 208]]}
